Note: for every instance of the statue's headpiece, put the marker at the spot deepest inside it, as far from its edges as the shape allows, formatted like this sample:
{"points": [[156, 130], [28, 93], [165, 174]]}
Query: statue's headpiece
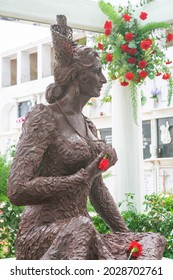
{"points": [[62, 39]]}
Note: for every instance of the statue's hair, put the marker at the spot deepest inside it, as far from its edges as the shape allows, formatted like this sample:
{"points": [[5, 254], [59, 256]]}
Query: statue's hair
{"points": [[83, 60]]}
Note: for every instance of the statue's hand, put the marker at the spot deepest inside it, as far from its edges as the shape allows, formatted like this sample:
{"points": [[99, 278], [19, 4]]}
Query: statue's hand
{"points": [[93, 169]]}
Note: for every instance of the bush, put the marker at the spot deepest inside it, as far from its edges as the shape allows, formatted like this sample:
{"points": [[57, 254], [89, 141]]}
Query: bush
{"points": [[9, 214], [4, 170], [157, 217], [9, 222]]}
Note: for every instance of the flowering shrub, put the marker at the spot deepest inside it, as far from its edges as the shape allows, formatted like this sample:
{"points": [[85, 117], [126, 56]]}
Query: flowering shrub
{"points": [[132, 51]]}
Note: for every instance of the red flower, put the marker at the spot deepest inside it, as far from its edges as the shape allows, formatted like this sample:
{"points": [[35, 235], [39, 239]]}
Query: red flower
{"points": [[143, 74], [135, 249], [131, 60], [143, 15], [124, 47], [108, 31], [168, 62], [142, 64], [132, 51], [129, 37], [146, 44], [166, 76], [169, 37], [103, 164], [126, 17], [100, 46], [109, 57], [108, 25], [158, 74], [124, 84], [129, 76]]}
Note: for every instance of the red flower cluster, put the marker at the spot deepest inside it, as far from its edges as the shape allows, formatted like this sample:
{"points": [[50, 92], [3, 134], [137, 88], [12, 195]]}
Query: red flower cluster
{"points": [[103, 164], [100, 46], [125, 48], [142, 64], [135, 249], [129, 76], [109, 57], [124, 84], [169, 37], [129, 37], [143, 74], [158, 74], [108, 27], [143, 15], [146, 44], [166, 76], [132, 60], [126, 17], [133, 51]]}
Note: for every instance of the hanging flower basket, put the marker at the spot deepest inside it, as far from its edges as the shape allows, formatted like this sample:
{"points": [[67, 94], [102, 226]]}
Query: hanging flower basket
{"points": [[132, 51]]}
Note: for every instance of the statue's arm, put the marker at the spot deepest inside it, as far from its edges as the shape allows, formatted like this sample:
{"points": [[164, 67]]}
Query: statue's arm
{"points": [[25, 187], [105, 206]]}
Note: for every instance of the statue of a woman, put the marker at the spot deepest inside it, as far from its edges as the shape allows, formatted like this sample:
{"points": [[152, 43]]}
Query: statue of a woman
{"points": [[55, 169]]}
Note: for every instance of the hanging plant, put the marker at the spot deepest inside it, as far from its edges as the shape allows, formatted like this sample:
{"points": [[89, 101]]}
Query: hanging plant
{"points": [[132, 51]]}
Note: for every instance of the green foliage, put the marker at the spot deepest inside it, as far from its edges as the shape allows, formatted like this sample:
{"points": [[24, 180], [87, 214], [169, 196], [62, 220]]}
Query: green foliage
{"points": [[4, 170], [109, 10], [9, 220], [154, 25], [170, 90], [9, 214], [134, 101], [100, 224]]}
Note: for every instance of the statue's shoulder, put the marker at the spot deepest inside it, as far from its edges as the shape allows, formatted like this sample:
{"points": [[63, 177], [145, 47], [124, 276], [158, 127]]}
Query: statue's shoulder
{"points": [[39, 112], [39, 118]]}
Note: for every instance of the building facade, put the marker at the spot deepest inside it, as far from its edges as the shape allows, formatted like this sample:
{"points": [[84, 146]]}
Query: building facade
{"points": [[25, 72]]}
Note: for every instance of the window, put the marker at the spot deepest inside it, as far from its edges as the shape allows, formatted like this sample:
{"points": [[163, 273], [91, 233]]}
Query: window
{"points": [[9, 73], [146, 131], [106, 134], [13, 67], [165, 137], [33, 66], [24, 108]]}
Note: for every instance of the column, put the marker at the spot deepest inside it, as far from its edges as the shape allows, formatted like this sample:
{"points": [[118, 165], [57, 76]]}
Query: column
{"points": [[44, 61], [127, 140], [6, 73], [23, 67]]}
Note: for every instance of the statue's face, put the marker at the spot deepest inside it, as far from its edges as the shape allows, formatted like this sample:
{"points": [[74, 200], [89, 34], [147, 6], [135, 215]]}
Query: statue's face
{"points": [[93, 80]]}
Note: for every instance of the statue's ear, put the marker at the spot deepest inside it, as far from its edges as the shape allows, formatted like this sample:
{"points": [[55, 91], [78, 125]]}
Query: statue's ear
{"points": [[83, 77]]}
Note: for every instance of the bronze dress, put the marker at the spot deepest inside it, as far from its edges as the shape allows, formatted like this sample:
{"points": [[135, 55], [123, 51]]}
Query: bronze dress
{"points": [[48, 176]]}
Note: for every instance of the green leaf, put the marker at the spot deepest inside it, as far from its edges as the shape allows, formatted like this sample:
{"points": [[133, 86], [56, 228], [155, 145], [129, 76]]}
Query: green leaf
{"points": [[132, 45], [151, 76], [154, 25], [109, 11]]}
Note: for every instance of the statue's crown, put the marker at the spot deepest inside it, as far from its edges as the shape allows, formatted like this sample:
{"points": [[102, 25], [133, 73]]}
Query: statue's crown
{"points": [[62, 39]]}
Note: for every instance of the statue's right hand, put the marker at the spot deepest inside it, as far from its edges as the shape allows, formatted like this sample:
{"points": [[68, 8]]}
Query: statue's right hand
{"points": [[93, 170]]}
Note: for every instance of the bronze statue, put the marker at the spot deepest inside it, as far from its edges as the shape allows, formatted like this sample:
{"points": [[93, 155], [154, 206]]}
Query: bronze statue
{"points": [[55, 169]]}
